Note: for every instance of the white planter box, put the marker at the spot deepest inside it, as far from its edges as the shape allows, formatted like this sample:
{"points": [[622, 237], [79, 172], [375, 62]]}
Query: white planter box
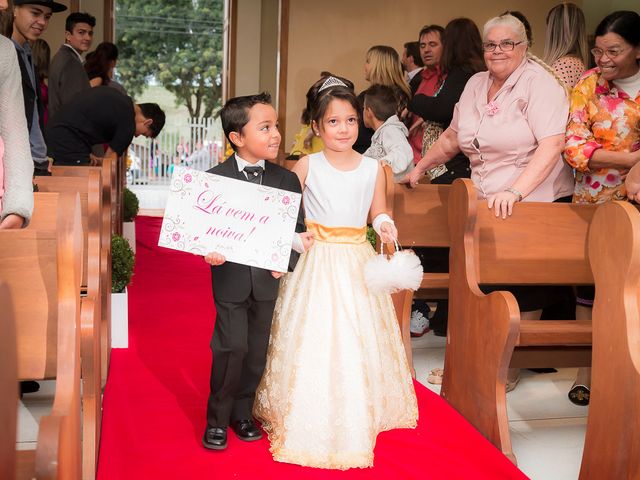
{"points": [[119, 320], [129, 232]]}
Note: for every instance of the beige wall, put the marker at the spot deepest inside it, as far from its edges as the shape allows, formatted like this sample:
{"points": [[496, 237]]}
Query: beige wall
{"points": [[256, 46], [247, 53], [596, 10], [334, 35], [95, 8], [269, 48]]}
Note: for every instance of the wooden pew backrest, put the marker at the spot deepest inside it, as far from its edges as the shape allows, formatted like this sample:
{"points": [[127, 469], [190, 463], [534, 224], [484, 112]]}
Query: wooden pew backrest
{"points": [[612, 442], [8, 386], [42, 271], [517, 247], [89, 188], [421, 215]]}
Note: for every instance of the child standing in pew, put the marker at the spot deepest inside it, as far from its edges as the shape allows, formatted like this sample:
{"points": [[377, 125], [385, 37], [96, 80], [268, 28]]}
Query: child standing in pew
{"points": [[337, 372], [389, 142], [245, 296]]}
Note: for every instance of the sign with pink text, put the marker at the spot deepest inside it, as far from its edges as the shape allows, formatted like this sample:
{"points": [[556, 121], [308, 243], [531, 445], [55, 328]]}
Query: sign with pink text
{"points": [[246, 222]]}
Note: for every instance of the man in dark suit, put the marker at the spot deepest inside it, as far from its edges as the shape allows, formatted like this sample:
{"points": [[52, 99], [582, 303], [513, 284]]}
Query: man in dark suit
{"points": [[30, 20], [412, 64], [245, 296], [67, 76]]}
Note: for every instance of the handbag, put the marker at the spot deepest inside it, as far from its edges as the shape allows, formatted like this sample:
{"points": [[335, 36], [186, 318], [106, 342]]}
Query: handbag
{"points": [[432, 130], [389, 274]]}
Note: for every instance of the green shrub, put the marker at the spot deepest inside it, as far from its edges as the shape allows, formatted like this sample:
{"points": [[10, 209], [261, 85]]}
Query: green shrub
{"points": [[122, 260], [131, 205]]}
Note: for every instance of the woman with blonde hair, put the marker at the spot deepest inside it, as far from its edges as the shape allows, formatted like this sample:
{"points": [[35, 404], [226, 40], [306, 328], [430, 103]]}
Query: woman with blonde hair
{"points": [[382, 67], [566, 48]]}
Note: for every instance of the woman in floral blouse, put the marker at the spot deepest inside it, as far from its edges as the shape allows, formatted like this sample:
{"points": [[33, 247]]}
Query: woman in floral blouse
{"points": [[603, 134]]}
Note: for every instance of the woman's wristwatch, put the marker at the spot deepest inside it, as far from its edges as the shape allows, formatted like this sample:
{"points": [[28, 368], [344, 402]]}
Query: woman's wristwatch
{"points": [[515, 192]]}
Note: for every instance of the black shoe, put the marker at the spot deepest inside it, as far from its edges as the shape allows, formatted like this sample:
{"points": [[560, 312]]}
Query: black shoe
{"points": [[440, 333], [246, 430], [543, 370], [28, 386], [215, 438], [579, 395]]}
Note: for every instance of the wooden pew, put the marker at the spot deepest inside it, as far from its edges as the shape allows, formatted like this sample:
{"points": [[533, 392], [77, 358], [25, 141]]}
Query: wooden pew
{"points": [[8, 386], [42, 271], [420, 215], [541, 243], [89, 188], [612, 443], [108, 172]]}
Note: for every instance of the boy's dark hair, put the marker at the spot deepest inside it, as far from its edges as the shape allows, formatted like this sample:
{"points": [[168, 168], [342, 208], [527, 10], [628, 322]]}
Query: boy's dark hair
{"points": [[413, 51], [382, 101], [154, 112], [78, 17], [234, 115]]}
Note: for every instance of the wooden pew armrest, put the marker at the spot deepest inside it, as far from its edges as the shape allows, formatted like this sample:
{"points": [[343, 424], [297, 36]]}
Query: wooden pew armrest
{"points": [[554, 332]]}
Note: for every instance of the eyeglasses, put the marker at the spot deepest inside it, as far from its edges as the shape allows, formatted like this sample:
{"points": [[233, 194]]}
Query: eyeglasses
{"points": [[611, 52], [505, 46]]}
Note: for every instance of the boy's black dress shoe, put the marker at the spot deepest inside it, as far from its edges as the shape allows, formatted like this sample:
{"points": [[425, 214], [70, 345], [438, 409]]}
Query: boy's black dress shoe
{"points": [[246, 430], [215, 438]]}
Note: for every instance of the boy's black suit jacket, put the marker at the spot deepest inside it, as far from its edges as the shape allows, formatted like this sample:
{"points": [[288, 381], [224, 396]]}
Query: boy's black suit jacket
{"points": [[233, 282]]}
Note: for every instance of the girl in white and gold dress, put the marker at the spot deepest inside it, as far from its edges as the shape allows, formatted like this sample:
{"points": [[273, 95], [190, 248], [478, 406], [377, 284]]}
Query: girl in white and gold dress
{"points": [[336, 372]]}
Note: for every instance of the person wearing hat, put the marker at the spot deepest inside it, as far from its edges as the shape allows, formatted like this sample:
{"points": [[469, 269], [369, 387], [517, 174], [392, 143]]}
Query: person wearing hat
{"points": [[30, 20], [67, 76]]}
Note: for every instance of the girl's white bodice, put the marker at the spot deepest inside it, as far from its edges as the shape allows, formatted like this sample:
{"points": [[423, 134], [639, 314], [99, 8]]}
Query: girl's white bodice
{"points": [[337, 198]]}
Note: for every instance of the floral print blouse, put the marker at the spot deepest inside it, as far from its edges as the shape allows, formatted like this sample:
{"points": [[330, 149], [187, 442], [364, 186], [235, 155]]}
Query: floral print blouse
{"points": [[600, 116]]}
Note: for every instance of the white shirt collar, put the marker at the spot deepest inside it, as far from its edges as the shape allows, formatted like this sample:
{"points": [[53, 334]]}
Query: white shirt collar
{"points": [[241, 163], [75, 51], [413, 73]]}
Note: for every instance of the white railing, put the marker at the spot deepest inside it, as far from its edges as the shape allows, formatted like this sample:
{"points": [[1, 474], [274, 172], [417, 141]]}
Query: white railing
{"points": [[197, 143]]}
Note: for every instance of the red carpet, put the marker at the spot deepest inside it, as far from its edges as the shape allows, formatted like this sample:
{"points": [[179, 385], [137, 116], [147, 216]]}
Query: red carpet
{"points": [[155, 398]]}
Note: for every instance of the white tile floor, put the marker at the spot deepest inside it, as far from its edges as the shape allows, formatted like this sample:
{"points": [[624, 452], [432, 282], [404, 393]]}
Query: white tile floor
{"points": [[547, 430]]}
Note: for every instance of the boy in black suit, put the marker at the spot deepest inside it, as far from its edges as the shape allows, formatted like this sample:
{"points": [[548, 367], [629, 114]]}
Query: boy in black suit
{"points": [[245, 296]]}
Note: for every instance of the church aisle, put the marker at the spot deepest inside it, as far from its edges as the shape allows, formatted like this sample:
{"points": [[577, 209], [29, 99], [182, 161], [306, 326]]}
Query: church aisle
{"points": [[155, 398]]}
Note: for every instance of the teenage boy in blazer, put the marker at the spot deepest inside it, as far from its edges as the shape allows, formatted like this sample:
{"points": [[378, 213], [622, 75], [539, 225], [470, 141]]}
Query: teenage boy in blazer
{"points": [[245, 296], [30, 20]]}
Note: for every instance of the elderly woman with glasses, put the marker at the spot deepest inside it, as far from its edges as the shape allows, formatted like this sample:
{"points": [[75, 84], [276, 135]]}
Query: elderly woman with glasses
{"points": [[510, 122]]}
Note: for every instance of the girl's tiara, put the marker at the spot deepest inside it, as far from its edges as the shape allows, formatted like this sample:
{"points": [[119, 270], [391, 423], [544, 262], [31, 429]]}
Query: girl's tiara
{"points": [[332, 82]]}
